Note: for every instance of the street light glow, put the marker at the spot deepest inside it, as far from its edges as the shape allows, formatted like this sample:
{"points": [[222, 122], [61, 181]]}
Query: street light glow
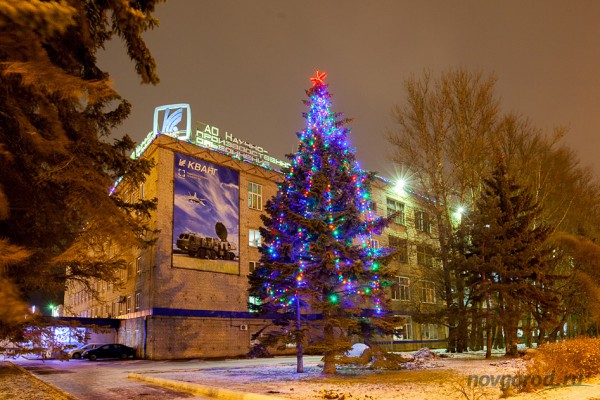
{"points": [[400, 186]]}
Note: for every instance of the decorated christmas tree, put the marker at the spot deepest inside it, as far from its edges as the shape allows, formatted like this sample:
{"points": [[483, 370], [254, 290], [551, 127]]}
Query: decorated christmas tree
{"points": [[320, 272]]}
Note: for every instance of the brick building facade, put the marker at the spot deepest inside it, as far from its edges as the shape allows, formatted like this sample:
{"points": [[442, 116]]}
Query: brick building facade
{"points": [[173, 305]]}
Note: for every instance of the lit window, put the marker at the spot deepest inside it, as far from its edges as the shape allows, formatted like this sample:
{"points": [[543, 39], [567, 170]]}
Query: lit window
{"points": [[254, 237], [141, 191], [422, 222], [429, 332], [403, 329], [401, 247], [137, 301], [138, 265], [252, 265], [395, 207], [401, 290], [255, 196], [428, 292], [253, 300], [128, 304]]}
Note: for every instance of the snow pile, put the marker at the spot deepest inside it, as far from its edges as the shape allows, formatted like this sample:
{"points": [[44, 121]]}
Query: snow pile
{"points": [[357, 350], [425, 354]]}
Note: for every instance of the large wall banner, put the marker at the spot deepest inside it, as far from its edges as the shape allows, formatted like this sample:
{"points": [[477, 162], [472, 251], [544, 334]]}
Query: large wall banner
{"points": [[206, 227]]}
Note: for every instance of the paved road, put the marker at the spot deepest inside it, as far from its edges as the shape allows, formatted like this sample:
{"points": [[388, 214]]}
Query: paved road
{"points": [[107, 379]]}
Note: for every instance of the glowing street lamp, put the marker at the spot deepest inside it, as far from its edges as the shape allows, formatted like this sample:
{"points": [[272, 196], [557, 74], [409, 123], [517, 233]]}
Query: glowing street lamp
{"points": [[400, 185], [459, 213], [53, 310]]}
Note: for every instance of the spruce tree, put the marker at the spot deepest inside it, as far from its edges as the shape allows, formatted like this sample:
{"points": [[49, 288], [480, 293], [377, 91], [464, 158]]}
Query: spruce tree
{"points": [[510, 262], [318, 259], [57, 157]]}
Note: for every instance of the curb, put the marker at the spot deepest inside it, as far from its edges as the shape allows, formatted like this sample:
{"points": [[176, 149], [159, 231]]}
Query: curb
{"points": [[203, 390], [50, 386]]}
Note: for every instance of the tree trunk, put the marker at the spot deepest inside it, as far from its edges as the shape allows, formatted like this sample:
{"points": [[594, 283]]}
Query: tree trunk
{"points": [[462, 328], [499, 339], [527, 329], [452, 344], [488, 319], [299, 338], [329, 355], [488, 338], [512, 325], [475, 343], [541, 336]]}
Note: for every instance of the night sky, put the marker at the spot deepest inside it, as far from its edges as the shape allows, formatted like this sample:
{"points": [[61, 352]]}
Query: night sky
{"points": [[243, 66]]}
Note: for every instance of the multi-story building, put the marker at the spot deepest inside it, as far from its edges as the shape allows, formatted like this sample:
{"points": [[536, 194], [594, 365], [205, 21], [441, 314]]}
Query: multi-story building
{"points": [[186, 295], [413, 234]]}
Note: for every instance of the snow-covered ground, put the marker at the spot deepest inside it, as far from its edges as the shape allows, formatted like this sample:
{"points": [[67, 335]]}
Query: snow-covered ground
{"points": [[439, 378]]}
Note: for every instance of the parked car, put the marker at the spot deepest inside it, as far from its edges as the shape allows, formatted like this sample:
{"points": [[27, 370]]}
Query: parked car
{"points": [[77, 352], [112, 350]]}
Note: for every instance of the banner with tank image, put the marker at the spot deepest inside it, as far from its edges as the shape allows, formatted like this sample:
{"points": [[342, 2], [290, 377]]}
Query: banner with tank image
{"points": [[205, 216]]}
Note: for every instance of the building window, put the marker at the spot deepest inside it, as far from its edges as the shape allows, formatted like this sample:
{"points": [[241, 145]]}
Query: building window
{"points": [[107, 310], [138, 265], [395, 207], [429, 332], [254, 301], [403, 328], [255, 196], [141, 190], [254, 236], [428, 292], [401, 290], [252, 265], [422, 222], [137, 301], [128, 304], [374, 206], [425, 256], [401, 247], [374, 243], [121, 304]]}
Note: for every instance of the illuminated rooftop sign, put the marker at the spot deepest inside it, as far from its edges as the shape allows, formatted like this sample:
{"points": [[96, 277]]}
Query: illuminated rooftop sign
{"points": [[172, 116], [168, 120], [208, 136]]}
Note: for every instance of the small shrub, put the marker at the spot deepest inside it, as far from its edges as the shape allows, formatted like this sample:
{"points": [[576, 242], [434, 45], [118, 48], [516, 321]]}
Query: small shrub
{"points": [[468, 392], [564, 363]]}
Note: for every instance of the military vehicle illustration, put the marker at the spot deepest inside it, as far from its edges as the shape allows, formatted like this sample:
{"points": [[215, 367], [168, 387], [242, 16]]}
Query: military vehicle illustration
{"points": [[212, 248]]}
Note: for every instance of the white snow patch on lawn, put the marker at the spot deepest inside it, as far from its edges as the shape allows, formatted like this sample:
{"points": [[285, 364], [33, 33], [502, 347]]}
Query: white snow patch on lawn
{"points": [[441, 378]]}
